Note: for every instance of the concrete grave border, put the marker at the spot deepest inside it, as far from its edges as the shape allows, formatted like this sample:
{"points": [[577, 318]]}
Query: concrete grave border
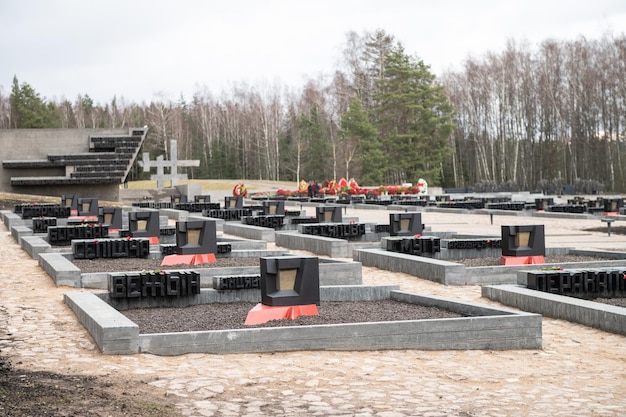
{"points": [[453, 273], [487, 328], [589, 313], [64, 272], [321, 245]]}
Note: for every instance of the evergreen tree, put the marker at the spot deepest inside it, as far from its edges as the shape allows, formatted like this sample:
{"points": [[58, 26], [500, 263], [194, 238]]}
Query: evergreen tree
{"points": [[28, 110], [415, 119], [318, 154], [360, 139]]}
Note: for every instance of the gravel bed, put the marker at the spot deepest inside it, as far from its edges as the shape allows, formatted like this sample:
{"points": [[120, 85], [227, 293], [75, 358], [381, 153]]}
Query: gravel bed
{"points": [[618, 302], [556, 259], [233, 315], [144, 264], [141, 264]]}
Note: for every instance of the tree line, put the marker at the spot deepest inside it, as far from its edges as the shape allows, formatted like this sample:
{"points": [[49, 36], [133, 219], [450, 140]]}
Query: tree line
{"points": [[527, 118]]}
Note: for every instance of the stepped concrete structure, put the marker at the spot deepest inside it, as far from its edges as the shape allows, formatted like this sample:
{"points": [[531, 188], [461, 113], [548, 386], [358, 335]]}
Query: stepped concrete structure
{"points": [[90, 163]]}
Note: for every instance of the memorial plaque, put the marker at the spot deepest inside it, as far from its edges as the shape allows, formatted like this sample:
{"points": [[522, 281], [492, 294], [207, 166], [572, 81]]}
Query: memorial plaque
{"points": [[289, 280], [523, 240], [196, 237], [405, 224]]}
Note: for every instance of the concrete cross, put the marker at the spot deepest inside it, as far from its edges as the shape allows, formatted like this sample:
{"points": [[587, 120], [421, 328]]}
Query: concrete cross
{"points": [[160, 164]]}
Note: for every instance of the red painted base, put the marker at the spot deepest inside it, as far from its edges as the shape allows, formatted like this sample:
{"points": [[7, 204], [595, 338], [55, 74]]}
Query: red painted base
{"points": [[262, 313], [522, 260], [612, 213], [198, 259]]}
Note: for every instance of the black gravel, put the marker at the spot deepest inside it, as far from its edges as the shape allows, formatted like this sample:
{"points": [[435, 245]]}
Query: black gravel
{"points": [[233, 315], [554, 259], [141, 264], [144, 264], [618, 302]]}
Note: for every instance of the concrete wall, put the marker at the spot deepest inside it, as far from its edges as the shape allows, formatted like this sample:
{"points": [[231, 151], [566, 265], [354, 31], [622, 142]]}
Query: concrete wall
{"points": [[36, 145]]}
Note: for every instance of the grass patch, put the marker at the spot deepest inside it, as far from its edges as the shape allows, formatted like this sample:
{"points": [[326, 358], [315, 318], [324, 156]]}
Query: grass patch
{"points": [[217, 185]]}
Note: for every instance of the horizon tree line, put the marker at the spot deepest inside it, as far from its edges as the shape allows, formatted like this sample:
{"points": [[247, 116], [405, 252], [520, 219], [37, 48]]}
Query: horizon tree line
{"points": [[526, 118]]}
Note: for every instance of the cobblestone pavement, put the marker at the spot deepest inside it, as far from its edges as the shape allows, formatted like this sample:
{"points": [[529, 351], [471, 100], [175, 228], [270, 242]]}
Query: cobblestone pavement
{"points": [[579, 372]]}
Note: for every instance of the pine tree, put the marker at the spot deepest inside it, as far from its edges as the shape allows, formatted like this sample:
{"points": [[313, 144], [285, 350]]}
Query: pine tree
{"points": [[360, 140], [414, 119], [317, 155], [28, 110]]}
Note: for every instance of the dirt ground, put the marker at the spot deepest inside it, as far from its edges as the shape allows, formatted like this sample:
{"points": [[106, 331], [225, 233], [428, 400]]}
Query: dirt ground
{"points": [[26, 393]]}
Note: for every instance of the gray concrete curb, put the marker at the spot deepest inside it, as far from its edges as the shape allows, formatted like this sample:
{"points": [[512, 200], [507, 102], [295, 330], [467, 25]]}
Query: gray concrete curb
{"points": [[249, 231], [64, 272], [452, 273], [11, 219], [597, 315], [113, 333], [321, 245], [487, 328]]}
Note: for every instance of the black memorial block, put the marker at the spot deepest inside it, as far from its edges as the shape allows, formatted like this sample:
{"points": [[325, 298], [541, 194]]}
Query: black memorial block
{"points": [[274, 207], [178, 199], [70, 200], [511, 206], [567, 208], [334, 230], [88, 207], [269, 221], [155, 205], [144, 223], [474, 244], [543, 203], [167, 231], [63, 235], [229, 214], [194, 207], [405, 224], [290, 280], [424, 245], [154, 284], [111, 216], [110, 248], [41, 224], [328, 214], [580, 283], [234, 202], [523, 240], [224, 248], [382, 228], [237, 282], [202, 199], [613, 204], [196, 237], [168, 249], [29, 211]]}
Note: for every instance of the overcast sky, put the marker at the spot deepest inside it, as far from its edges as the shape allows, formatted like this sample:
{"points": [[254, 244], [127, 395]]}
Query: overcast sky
{"points": [[145, 49]]}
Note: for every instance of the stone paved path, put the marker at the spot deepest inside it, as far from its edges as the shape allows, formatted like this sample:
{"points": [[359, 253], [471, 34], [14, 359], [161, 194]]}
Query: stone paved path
{"points": [[579, 372]]}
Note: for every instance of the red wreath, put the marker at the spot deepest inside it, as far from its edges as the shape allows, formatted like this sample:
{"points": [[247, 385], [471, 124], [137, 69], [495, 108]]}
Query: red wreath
{"points": [[240, 190]]}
